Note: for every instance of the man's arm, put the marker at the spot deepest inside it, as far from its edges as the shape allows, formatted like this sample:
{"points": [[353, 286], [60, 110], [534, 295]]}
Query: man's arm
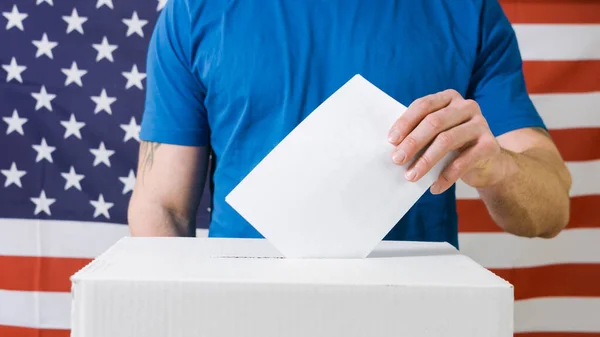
{"points": [[519, 174], [532, 197], [169, 184]]}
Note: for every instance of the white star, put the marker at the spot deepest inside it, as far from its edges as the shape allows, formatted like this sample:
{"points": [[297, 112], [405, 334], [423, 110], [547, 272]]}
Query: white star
{"points": [[161, 5], [103, 102], [74, 75], [72, 127], [15, 18], [43, 99], [134, 78], [105, 50], [75, 21], [14, 71], [13, 176], [108, 4], [72, 179], [15, 123], [132, 130], [101, 207], [42, 204], [44, 47], [43, 151], [135, 25], [102, 155], [48, 1], [128, 182]]}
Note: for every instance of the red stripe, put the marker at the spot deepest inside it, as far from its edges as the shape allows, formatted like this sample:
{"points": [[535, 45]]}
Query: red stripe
{"points": [[13, 331], [552, 11], [474, 217], [557, 334], [578, 280], [545, 77], [29, 273], [577, 144]]}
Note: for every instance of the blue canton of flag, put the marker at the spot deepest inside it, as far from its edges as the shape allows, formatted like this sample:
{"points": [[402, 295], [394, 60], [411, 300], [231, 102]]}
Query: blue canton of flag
{"points": [[71, 102]]}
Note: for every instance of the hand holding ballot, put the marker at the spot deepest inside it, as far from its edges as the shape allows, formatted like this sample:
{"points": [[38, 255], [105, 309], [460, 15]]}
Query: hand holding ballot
{"points": [[447, 122]]}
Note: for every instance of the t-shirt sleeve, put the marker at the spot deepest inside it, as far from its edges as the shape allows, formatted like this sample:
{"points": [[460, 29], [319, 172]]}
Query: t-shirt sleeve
{"points": [[174, 110], [497, 83]]}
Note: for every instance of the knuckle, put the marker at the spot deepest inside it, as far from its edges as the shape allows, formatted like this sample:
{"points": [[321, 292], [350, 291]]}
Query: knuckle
{"points": [[425, 161], [434, 121], [471, 104], [410, 142], [451, 92], [423, 103], [457, 166], [445, 139]]}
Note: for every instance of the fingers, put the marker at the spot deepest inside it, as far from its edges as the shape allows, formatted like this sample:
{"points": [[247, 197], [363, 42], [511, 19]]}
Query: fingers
{"points": [[417, 111], [426, 131], [444, 142], [466, 161]]}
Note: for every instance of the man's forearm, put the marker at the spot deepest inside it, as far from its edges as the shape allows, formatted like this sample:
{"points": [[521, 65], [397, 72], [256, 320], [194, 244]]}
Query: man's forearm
{"points": [[532, 197]]}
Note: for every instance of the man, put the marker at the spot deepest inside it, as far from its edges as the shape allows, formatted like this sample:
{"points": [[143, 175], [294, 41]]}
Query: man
{"points": [[235, 77]]}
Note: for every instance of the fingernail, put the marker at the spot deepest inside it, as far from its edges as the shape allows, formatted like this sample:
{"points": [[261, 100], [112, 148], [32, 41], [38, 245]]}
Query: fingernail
{"points": [[435, 189], [398, 156], [411, 174], [394, 136]]}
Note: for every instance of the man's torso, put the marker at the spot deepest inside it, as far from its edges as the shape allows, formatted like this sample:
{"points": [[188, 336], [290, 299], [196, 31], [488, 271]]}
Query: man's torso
{"points": [[267, 64]]}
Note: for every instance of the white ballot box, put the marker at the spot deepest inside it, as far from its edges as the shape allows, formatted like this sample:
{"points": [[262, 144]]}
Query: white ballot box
{"points": [[176, 287]]}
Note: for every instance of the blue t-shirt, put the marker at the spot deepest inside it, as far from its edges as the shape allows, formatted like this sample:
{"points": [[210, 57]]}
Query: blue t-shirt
{"points": [[240, 75]]}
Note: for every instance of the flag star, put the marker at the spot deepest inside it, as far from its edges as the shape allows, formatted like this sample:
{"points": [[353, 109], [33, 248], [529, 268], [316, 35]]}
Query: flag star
{"points": [[15, 18], [103, 102], [108, 4], [128, 182], [102, 155], [74, 75], [44, 46], [50, 2], [14, 71], [75, 21], [43, 99], [101, 207], [72, 179], [43, 151], [132, 130], [13, 176], [134, 78], [161, 5], [135, 25], [105, 50], [72, 127], [42, 204], [15, 123]]}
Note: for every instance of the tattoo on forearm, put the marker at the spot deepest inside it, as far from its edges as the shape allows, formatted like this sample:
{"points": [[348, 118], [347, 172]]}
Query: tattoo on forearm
{"points": [[147, 151]]}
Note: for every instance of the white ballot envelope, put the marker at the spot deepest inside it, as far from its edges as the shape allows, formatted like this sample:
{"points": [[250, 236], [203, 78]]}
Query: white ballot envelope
{"points": [[330, 189]]}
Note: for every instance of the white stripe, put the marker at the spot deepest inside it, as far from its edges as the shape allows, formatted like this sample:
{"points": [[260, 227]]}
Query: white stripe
{"points": [[565, 111], [77, 239], [550, 42], [573, 245], [20, 308], [565, 314], [502, 250], [542, 314], [586, 181]]}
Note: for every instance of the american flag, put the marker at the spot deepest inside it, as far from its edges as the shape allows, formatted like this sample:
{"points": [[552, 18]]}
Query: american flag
{"points": [[71, 98]]}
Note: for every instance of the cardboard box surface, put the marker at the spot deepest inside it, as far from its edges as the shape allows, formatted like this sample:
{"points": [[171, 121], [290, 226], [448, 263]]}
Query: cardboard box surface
{"points": [[176, 287]]}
